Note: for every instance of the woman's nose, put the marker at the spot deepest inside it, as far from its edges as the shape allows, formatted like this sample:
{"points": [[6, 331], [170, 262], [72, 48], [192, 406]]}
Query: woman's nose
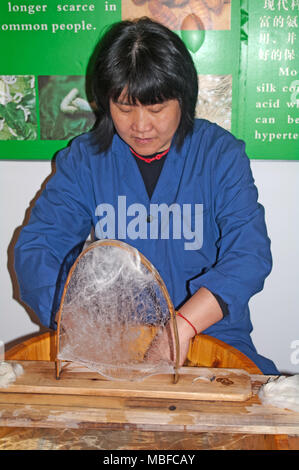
{"points": [[141, 121]]}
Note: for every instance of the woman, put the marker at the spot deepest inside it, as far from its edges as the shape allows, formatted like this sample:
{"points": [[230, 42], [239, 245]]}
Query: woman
{"points": [[189, 182]]}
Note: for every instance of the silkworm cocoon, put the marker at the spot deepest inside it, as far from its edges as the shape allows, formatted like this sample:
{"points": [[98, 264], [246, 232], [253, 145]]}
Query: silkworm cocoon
{"points": [[174, 3], [139, 2], [192, 23], [203, 13], [215, 5], [164, 14]]}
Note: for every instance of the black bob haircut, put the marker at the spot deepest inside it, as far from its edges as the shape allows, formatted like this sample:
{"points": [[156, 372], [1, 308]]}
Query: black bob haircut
{"points": [[153, 64]]}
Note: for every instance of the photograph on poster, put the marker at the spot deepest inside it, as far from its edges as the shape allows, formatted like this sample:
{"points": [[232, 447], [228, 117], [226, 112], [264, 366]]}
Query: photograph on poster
{"points": [[17, 107], [215, 99], [63, 106], [63, 101], [182, 14]]}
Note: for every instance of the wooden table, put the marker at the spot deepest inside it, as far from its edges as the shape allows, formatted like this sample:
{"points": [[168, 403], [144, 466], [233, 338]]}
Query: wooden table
{"points": [[34, 421]]}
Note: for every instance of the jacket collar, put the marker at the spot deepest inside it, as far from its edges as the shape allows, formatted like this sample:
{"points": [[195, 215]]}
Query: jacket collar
{"points": [[170, 178]]}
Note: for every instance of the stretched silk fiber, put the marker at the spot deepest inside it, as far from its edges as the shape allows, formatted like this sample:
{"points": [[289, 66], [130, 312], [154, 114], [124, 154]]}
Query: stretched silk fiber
{"points": [[282, 392], [114, 309]]}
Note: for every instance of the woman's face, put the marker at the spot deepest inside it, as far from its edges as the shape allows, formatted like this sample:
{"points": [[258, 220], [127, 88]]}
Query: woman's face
{"points": [[146, 129]]}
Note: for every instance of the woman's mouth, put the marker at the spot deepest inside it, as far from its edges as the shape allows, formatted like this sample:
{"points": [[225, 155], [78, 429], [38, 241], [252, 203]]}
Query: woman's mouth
{"points": [[143, 140]]}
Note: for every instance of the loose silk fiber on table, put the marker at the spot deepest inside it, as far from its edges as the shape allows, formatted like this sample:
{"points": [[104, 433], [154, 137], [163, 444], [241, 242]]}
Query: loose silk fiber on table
{"points": [[114, 308]]}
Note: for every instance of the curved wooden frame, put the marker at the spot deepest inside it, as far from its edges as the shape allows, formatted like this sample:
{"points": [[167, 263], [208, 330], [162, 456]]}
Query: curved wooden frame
{"points": [[151, 269]]}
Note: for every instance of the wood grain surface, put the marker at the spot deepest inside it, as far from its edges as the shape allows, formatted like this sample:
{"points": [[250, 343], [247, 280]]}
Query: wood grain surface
{"points": [[114, 439], [194, 383], [61, 411]]}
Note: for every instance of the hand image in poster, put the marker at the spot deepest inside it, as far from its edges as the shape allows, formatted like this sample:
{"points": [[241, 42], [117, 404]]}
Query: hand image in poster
{"points": [[215, 99], [17, 107], [182, 14], [64, 108]]}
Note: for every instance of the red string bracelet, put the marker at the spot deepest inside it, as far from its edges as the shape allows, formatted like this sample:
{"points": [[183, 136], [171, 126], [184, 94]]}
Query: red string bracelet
{"points": [[180, 315]]}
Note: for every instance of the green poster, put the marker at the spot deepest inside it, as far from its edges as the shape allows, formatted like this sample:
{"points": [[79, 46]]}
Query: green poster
{"points": [[48, 45], [47, 48], [269, 80]]}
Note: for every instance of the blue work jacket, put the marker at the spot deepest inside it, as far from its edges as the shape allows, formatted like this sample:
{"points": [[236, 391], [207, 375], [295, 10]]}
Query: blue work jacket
{"points": [[229, 253]]}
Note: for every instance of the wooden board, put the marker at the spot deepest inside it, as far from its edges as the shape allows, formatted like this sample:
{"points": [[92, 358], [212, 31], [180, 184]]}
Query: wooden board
{"points": [[194, 383], [126, 414]]}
